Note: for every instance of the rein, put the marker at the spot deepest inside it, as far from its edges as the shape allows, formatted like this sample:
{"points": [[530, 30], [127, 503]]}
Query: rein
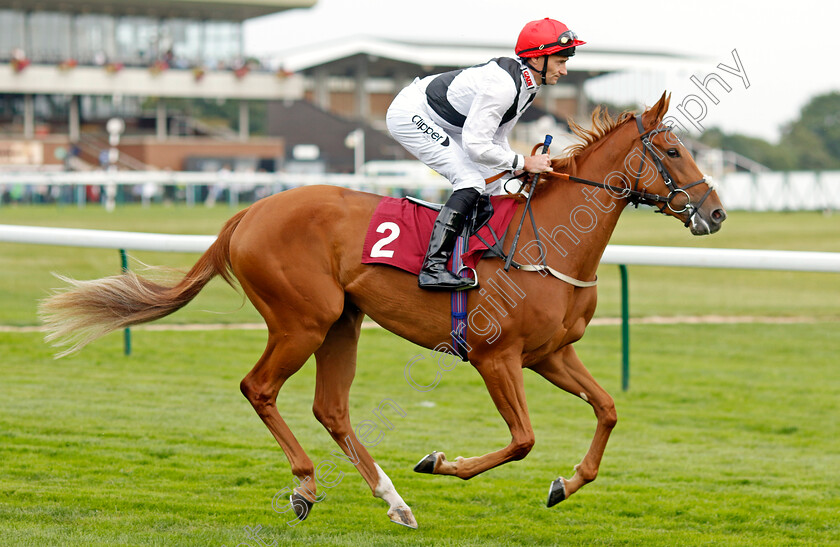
{"points": [[509, 260], [634, 196], [496, 248]]}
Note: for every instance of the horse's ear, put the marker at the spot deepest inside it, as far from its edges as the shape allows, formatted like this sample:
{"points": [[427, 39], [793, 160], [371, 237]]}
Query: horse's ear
{"points": [[653, 115]]}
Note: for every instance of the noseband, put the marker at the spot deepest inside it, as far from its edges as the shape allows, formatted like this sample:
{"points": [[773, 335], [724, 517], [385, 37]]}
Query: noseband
{"points": [[636, 197]]}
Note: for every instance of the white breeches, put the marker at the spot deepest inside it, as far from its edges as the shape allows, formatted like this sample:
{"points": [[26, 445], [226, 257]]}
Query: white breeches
{"points": [[410, 124]]}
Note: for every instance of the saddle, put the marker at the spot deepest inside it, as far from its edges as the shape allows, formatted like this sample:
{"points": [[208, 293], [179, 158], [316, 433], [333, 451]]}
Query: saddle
{"points": [[399, 230], [480, 215]]}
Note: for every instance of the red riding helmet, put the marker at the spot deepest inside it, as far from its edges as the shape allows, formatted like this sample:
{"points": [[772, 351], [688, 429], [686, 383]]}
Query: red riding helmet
{"points": [[546, 37]]}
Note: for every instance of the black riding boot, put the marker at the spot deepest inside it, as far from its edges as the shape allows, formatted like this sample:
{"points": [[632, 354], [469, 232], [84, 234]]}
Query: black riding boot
{"points": [[435, 275]]}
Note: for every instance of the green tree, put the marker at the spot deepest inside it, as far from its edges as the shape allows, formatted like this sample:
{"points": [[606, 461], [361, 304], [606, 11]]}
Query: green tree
{"points": [[773, 156], [815, 136], [810, 143], [809, 150]]}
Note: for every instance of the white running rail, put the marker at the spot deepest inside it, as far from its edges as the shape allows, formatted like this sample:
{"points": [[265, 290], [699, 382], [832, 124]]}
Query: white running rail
{"points": [[631, 255]]}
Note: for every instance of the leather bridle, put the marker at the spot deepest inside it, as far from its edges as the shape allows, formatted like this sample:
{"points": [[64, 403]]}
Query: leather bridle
{"points": [[643, 197], [635, 196]]}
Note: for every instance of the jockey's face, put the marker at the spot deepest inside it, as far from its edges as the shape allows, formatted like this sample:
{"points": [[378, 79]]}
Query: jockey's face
{"points": [[556, 68]]}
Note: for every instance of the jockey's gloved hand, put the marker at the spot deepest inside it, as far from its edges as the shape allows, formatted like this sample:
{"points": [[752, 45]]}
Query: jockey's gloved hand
{"points": [[539, 163]]}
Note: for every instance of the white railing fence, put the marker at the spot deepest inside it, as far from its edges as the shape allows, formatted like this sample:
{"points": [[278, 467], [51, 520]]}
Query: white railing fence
{"points": [[766, 191], [631, 255], [781, 191], [622, 255]]}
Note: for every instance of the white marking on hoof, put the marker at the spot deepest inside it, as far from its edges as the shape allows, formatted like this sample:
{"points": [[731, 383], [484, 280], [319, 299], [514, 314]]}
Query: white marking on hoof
{"points": [[398, 512], [584, 397]]}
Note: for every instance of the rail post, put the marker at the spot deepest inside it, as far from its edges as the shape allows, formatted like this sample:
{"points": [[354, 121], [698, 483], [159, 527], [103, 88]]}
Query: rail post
{"points": [[625, 329], [126, 331]]}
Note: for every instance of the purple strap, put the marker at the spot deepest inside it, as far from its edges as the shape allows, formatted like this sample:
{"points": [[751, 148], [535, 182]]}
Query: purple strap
{"points": [[459, 301]]}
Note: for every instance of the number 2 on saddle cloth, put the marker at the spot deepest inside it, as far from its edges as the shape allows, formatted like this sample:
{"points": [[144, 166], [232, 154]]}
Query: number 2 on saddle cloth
{"points": [[399, 233]]}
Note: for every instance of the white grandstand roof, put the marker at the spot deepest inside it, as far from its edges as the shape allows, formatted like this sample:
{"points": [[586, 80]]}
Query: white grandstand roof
{"points": [[431, 56], [229, 10]]}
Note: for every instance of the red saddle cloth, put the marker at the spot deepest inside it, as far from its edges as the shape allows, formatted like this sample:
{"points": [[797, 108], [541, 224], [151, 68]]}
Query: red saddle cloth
{"points": [[399, 233]]}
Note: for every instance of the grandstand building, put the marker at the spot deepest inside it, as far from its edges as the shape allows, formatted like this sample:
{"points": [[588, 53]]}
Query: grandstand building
{"points": [[357, 78], [67, 66]]}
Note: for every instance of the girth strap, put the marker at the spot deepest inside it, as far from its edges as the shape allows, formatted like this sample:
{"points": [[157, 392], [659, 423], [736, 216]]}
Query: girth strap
{"points": [[559, 275]]}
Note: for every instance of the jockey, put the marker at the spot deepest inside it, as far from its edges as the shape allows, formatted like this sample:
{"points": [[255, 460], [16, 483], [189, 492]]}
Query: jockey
{"points": [[457, 123]]}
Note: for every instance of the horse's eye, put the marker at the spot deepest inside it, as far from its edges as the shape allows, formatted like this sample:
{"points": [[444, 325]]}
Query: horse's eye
{"points": [[673, 153]]}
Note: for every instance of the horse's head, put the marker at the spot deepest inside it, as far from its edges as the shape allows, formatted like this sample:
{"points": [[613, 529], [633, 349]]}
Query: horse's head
{"points": [[662, 173]]}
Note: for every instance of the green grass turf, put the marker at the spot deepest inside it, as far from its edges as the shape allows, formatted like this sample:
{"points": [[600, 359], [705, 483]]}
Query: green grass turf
{"points": [[728, 436], [25, 271]]}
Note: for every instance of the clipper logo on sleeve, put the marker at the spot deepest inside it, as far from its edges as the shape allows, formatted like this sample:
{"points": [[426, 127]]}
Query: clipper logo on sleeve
{"points": [[431, 131]]}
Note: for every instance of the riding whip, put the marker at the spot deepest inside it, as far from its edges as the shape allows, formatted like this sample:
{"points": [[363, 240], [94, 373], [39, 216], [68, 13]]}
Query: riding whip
{"points": [[546, 144]]}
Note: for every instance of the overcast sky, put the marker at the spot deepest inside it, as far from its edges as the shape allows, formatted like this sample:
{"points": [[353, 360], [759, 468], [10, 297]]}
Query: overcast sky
{"points": [[788, 50]]}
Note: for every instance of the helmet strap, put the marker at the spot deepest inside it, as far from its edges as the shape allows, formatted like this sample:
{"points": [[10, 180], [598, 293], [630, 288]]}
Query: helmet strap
{"points": [[544, 68]]}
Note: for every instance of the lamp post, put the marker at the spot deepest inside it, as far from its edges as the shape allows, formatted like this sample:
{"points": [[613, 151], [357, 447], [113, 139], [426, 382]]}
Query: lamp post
{"points": [[115, 128], [356, 141]]}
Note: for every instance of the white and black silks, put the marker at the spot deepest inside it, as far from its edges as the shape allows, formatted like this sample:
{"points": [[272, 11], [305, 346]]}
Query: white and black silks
{"points": [[458, 122]]}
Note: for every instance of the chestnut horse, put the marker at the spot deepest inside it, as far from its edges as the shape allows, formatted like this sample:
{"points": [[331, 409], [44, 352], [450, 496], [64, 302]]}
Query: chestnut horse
{"points": [[297, 255]]}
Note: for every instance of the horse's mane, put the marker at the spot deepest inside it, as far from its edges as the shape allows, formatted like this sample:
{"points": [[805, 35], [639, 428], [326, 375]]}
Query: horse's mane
{"points": [[602, 124]]}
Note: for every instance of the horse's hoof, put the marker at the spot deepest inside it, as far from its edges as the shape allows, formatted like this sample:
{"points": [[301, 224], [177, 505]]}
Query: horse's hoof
{"points": [[403, 516], [301, 505], [427, 464], [556, 493]]}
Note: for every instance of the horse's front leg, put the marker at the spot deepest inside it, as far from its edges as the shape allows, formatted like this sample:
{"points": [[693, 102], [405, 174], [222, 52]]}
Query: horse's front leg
{"points": [[565, 370], [502, 375]]}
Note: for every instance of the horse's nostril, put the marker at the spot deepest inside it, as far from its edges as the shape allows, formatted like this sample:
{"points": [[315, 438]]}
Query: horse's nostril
{"points": [[718, 215]]}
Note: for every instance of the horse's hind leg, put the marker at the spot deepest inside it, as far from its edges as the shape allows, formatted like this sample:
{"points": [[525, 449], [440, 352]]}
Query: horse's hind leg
{"points": [[565, 370], [336, 367], [502, 374], [284, 355]]}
